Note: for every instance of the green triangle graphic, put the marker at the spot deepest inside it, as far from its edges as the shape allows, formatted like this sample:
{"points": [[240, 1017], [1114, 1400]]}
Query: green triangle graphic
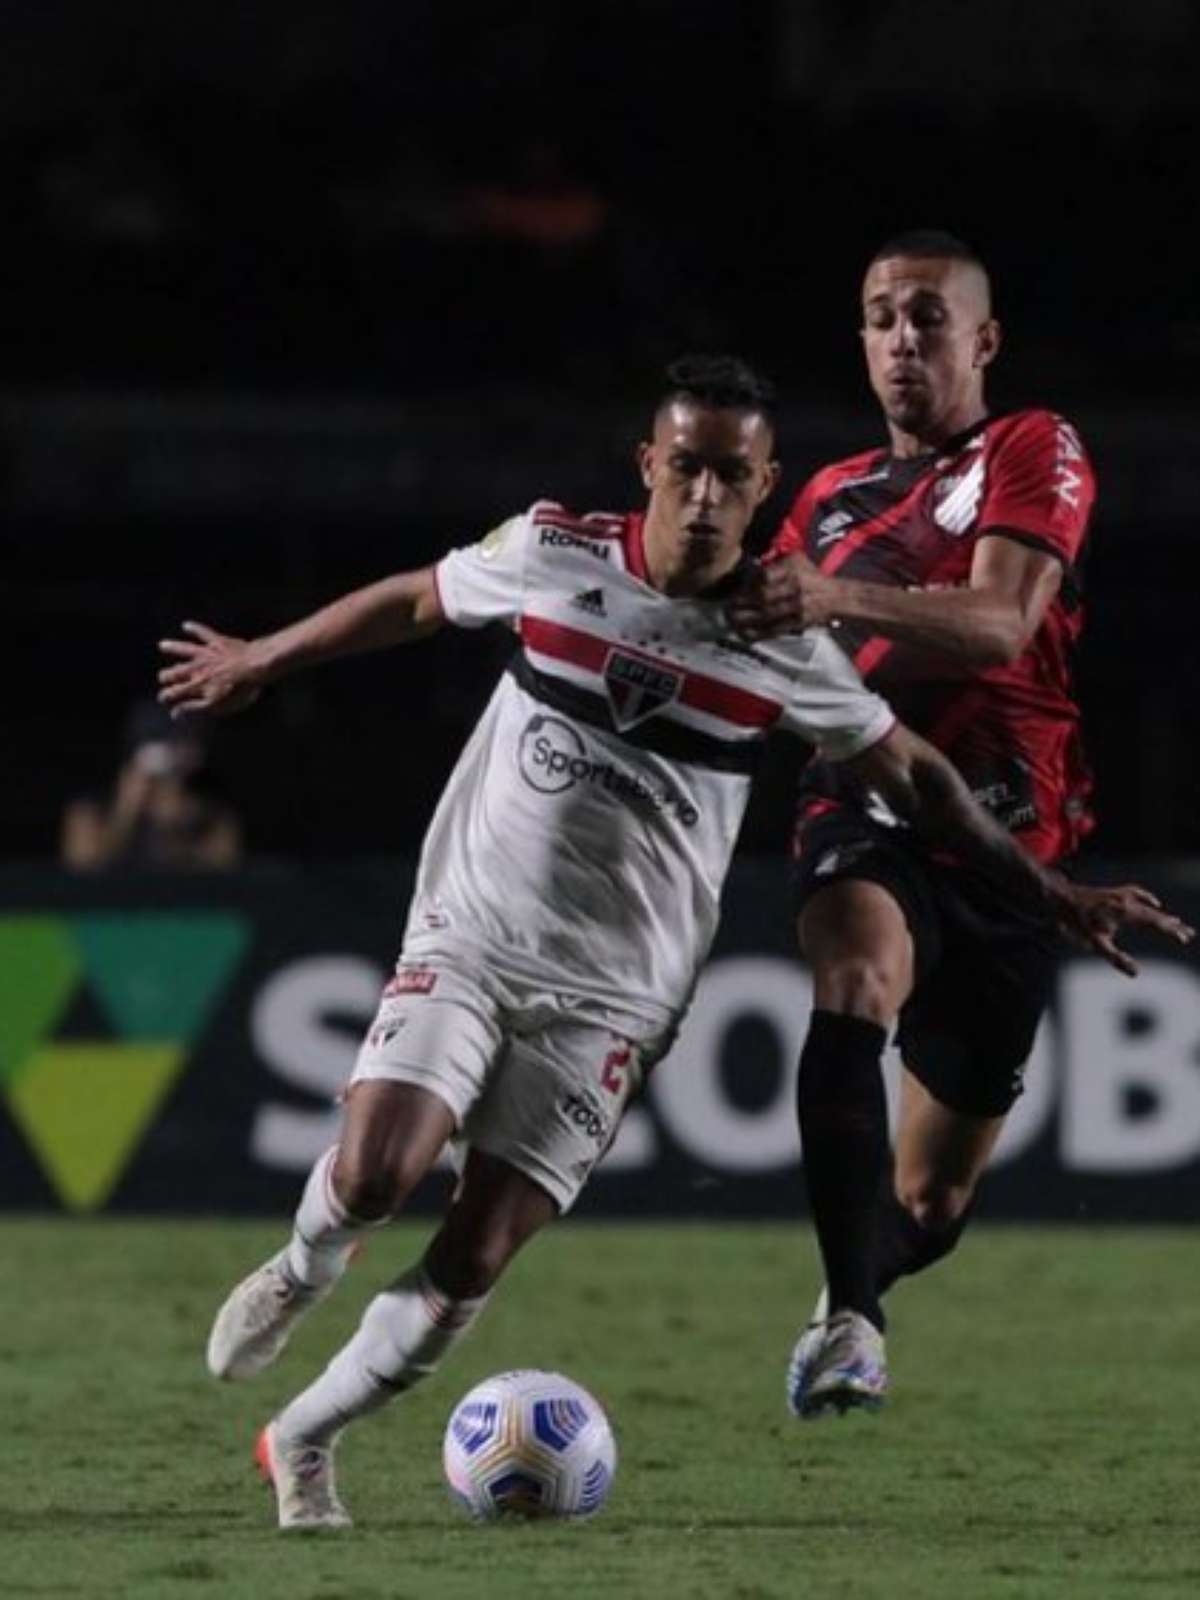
{"points": [[83, 1108], [39, 968], [157, 975]]}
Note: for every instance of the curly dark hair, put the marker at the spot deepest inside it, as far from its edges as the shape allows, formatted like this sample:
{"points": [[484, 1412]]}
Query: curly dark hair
{"points": [[722, 382]]}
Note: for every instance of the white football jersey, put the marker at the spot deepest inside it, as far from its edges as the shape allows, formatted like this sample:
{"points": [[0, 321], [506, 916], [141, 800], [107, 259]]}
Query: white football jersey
{"points": [[584, 835]]}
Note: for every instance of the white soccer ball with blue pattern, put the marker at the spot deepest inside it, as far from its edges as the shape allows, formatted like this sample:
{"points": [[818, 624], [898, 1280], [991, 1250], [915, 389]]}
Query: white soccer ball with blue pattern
{"points": [[529, 1444]]}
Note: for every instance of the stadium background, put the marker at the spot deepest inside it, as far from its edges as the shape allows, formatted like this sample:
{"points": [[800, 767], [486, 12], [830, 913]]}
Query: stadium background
{"points": [[296, 295]]}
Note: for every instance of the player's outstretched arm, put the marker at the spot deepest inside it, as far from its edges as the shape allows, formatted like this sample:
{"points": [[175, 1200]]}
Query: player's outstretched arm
{"points": [[213, 673], [921, 785]]}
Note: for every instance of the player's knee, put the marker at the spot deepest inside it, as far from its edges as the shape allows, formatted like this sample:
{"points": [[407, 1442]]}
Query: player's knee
{"points": [[934, 1204], [859, 986], [373, 1190]]}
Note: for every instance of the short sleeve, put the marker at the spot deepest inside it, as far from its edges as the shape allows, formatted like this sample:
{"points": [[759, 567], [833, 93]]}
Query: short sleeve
{"points": [[830, 706], [1039, 483], [485, 582]]}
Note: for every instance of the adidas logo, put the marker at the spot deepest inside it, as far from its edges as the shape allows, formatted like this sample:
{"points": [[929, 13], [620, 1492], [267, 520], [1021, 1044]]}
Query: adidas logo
{"points": [[591, 601]]}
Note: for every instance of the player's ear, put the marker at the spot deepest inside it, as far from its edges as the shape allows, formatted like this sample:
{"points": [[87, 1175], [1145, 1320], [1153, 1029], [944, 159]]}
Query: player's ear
{"points": [[645, 461], [770, 478], [987, 342]]}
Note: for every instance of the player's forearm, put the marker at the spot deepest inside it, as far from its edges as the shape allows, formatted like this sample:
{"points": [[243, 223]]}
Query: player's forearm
{"points": [[971, 626], [387, 613]]}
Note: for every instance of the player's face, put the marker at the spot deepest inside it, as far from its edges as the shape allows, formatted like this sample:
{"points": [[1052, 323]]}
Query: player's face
{"points": [[928, 334], [707, 472]]}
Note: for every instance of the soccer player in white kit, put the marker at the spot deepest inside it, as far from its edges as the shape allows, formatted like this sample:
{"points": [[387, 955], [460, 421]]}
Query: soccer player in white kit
{"points": [[568, 886]]}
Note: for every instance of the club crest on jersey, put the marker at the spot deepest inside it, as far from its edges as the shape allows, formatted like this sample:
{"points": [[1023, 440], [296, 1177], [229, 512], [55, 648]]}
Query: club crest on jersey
{"points": [[956, 499], [637, 689]]}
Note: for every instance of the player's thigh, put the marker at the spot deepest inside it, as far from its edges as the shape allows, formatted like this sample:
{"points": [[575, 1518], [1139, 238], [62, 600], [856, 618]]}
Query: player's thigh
{"points": [[392, 1133], [555, 1102], [966, 1035], [857, 939], [867, 916], [941, 1153], [422, 1066]]}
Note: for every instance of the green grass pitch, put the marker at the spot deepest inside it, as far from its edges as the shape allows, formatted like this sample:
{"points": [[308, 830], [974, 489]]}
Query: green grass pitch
{"points": [[1040, 1442]]}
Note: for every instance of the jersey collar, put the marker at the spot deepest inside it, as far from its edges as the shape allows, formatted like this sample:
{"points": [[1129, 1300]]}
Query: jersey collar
{"points": [[950, 447], [635, 545], [634, 541]]}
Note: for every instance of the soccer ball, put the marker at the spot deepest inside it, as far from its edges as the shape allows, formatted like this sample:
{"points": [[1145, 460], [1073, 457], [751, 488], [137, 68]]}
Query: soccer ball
{"points": [[529, 1444]]}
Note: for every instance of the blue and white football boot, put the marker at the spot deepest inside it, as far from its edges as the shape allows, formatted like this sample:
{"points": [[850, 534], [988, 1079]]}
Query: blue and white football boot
{"points": [[839, 1365], [805, 1353]]}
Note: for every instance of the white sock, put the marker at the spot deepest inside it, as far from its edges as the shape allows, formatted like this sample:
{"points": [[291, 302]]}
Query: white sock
{"points": [[323, 1231], [402, 1337]]}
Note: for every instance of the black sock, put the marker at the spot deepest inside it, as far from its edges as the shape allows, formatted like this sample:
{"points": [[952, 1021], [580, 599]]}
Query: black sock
{"points": [[843, 1127], [904, 1246]]}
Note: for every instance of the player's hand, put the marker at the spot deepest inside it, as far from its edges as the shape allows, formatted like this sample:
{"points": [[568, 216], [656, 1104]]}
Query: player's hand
{"points": [[213, 673], [1093, 917], [784, 596]]}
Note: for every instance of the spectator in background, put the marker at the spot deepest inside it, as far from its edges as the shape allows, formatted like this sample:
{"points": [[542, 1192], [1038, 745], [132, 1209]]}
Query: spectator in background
{"points": [[165, 810]]}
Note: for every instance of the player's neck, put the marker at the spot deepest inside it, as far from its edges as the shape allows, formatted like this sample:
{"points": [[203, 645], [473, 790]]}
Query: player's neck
{"points": [[906, 445], [675, 572]]}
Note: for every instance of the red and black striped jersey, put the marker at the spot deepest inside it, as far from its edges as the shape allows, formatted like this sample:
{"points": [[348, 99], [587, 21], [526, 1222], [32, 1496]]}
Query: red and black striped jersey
{"points": [[1013, 731]]}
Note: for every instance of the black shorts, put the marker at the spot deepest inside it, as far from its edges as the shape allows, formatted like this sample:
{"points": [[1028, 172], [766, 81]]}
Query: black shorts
{"points": [[984, 969]]}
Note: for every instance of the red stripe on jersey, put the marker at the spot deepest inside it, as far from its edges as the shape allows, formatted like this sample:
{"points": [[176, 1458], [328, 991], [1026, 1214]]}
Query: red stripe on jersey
{"points": [[699, 693], [723, 700], [867, 531], [872, 653], [565, 644]]}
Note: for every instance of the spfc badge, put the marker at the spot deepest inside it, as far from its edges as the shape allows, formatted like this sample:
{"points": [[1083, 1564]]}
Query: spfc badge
{"points": [[637, 689]]}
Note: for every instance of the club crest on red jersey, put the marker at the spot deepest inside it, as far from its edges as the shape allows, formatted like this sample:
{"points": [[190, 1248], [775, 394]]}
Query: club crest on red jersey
{"points": [[637, 689], [956, 499]]}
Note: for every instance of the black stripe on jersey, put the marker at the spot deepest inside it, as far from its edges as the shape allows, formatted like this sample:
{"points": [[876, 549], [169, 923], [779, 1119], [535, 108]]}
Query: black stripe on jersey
{"points": [[873, 492], [662, 738]]}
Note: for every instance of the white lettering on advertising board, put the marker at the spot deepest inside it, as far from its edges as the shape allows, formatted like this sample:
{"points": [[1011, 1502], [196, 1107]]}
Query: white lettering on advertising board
{"points": [[1119, 1066]]}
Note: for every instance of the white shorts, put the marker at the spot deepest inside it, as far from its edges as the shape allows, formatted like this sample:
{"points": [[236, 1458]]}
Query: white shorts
{"points": [[536, 1078]]}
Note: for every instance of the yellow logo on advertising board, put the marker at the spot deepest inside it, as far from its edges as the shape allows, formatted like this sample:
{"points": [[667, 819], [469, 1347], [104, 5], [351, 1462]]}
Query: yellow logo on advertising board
{"points": [[97, 1014]]}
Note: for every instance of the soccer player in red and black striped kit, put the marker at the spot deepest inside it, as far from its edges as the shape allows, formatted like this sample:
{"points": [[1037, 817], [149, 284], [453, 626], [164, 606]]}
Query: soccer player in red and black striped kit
{"points": [[947, 562]]}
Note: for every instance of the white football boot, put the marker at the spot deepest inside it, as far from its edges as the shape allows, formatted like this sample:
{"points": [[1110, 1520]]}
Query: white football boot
{"points": [[848, 1372], [257, 1319], [302, 1477], [804, 1354]]}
